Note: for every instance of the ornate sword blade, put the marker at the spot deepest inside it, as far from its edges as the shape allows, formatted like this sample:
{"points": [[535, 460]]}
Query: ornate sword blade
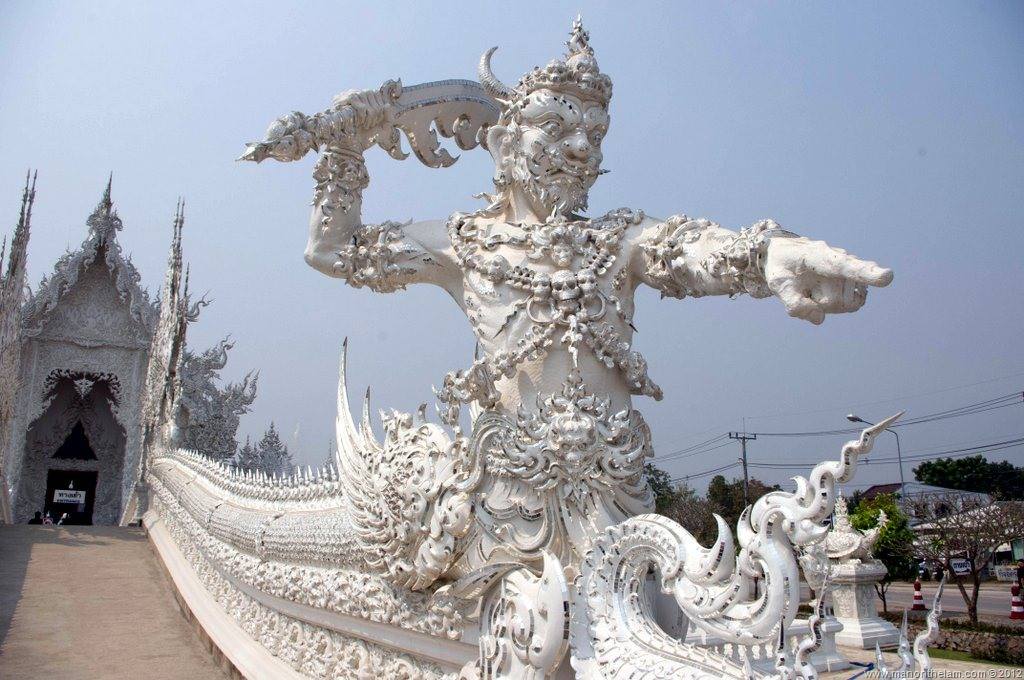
{"points": [[454, 108]]}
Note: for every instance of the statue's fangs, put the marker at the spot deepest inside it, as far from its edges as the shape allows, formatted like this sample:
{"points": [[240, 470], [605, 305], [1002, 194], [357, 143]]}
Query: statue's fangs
{"points": [[532, 507]]}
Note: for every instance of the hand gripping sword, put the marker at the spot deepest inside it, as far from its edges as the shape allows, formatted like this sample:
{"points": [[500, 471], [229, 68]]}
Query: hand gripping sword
{"points": [[456, 109]]}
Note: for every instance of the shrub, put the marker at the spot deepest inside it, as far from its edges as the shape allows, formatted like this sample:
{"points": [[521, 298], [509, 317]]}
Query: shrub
{"points": [[959, 624], [998, 648]]}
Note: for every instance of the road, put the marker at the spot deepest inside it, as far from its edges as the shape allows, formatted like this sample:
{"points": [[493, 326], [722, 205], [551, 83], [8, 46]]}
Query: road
{"points": [[993, 600]]}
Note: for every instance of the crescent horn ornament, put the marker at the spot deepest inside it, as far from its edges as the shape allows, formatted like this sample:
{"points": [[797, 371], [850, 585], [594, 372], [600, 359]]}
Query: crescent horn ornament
{"points": [[492, 85]]}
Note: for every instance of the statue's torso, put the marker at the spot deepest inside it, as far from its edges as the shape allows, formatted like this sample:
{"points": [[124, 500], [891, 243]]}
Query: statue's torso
{"points": [[551, 307], [563, 289]]}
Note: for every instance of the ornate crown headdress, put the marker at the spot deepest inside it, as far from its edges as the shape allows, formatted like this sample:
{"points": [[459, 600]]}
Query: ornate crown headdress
{"points": [[577, 74]]}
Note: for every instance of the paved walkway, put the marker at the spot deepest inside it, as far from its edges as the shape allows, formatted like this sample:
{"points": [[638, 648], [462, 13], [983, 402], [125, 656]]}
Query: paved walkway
{"points": [[91, 603]]}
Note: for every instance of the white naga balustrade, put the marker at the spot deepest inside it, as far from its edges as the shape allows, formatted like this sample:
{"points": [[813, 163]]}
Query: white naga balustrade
{"points": [[515, 541]]}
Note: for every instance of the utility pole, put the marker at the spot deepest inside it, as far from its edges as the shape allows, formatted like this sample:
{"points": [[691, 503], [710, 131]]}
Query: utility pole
{"points": [[744, 438]]}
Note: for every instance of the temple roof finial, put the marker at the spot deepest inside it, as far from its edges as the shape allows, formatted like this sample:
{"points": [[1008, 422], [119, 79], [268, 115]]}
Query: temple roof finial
{"points": [[179, 223], [106, 194], [188, 273], [19, 243], [104, 221]]}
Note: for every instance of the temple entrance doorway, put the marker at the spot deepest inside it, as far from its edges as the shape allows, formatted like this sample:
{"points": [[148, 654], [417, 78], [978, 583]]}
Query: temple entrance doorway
{"points": [[74, 451], [72, 492]]}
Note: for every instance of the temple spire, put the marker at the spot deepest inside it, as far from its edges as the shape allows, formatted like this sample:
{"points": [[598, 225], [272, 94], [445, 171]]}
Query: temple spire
{"points": [[174, 257], [161, 392], [104, 222], [188, 272], [12, 293], [19, 242], [106, 201]]}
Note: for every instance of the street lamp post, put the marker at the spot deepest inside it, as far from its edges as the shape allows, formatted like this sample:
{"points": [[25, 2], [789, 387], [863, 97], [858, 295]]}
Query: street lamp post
{"points": [[899, 454]]}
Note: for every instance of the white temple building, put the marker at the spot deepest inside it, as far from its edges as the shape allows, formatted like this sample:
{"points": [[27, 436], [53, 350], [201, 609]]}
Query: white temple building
{"points": [[75, 357], [73, 366]]}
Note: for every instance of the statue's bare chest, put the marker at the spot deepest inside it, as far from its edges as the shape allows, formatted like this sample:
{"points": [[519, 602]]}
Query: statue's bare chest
{"points": [[522, 278], [531, 290]]}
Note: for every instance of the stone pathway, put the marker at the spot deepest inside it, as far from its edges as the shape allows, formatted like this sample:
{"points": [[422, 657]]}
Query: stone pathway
{"points": [[91, 603]]}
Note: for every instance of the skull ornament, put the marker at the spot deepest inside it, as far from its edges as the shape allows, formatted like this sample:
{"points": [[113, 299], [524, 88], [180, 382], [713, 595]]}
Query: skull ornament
{"points": [[587, 281], [565, 286], [495, 269], [540, 286]]}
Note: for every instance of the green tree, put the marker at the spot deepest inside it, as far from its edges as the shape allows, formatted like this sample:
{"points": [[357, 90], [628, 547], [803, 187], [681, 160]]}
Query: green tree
{"points": [[726, 498], [853, 501], [269, 454], [974, 473], [662, 487], [693, 512], [273, 455], [895, 544], [965, 527]]}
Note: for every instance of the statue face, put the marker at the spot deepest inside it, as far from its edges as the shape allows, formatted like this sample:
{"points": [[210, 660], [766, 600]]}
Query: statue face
{"points": [[553, 150]]}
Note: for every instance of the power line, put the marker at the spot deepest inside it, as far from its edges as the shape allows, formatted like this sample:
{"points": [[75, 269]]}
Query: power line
{"points": [[680, 453], [692, 450], [697, 434], [887, 401], [714, 443], [1004, 401], [934, 455], [705, 473], [966, 442]]}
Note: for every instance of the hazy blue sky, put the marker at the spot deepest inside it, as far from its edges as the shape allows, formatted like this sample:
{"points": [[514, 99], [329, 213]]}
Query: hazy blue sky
{"points": [[891, 129]]}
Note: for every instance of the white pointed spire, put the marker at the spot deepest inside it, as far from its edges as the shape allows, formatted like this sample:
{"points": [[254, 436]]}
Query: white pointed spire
{"points": [[19, 242], [104, 222], [12, 292]]}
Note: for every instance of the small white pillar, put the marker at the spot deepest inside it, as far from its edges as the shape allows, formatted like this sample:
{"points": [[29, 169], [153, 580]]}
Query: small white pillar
{"points": [[853, 604]]}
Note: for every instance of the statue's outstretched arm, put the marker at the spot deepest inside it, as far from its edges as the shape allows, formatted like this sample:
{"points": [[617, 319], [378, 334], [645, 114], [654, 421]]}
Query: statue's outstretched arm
{"points": [[384, 257], [683, 257]]}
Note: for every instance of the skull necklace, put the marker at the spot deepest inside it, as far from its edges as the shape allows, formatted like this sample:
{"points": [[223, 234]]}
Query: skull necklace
{"points": [[568, 300]]}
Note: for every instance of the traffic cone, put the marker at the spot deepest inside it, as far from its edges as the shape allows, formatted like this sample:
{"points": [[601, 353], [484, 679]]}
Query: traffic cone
{"points": [[1016, 604], [918, 598]]}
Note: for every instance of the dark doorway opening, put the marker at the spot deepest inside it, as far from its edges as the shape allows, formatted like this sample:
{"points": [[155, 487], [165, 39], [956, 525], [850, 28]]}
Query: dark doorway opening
{"points": [[72, 492], [76, 446]]}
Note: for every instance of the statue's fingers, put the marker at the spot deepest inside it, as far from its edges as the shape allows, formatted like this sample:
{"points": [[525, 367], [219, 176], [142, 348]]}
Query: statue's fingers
{"points": [[860, 293], [867, 272], [853, 296], [830, 294], [798, 304], [839, 296], [826, 292], [834, 263]]}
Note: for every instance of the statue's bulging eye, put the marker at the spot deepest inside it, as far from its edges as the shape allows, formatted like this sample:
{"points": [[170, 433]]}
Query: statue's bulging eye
{"points": [[552, 127]]}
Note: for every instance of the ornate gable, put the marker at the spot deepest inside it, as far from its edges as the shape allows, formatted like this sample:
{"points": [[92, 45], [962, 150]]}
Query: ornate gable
{"points": [[93, 296]]}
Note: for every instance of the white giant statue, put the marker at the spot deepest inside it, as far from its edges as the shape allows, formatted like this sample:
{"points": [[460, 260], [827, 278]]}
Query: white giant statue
{"points": [[532, 502], [549, 295]]}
